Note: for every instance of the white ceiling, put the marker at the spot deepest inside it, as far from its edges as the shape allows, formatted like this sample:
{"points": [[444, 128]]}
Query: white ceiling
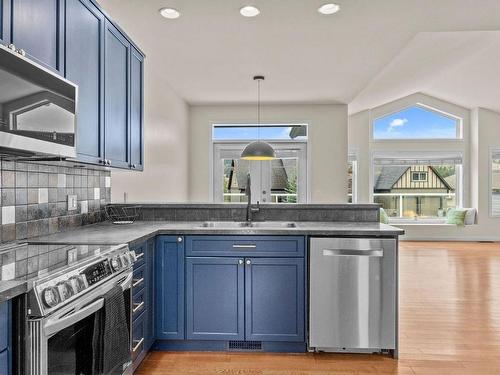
{"points": [[210, 54]]}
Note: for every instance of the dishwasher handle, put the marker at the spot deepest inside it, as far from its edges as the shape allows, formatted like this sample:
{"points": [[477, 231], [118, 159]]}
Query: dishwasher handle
{"points": [[352, 252]]}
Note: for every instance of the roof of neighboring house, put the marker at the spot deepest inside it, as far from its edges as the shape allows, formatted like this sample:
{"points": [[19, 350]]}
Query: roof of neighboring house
{"points": [[389, 175], [451, 181]]}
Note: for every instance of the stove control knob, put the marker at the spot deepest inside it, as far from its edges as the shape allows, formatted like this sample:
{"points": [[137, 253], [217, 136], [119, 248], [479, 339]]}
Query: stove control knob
{"points": [[50, 297], [78, 283], [115, 264], [65, 290], [125, 260]]}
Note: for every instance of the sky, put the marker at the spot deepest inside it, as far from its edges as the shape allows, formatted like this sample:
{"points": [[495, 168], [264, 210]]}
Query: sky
{"points": [[253, 133], [415, 122]]}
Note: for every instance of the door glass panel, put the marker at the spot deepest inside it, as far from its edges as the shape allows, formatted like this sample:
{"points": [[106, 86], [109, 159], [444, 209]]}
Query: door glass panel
{"points": [[284, 187], [495, 185], [234, 180]]}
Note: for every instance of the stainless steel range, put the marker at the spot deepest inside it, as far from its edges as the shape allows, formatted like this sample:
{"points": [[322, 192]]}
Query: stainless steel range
{"points": [[62, 307]]}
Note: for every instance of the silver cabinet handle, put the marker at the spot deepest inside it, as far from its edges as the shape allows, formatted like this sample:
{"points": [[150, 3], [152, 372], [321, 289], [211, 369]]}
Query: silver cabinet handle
{"points": [[137, 307], [351, 252], [139, 256], [138, 282], [240, 261], [179, 239], [137, 345], [249, 262], [244, 246]]}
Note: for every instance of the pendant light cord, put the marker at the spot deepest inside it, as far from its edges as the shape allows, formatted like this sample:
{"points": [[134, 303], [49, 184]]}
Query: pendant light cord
{"points": [[258, 109]]}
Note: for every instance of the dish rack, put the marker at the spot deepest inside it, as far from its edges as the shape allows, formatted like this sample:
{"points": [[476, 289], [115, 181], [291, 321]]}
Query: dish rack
{"points": [[122, 214]]}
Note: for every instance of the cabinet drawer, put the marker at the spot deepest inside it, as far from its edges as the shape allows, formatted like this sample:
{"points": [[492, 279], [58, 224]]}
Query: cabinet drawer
{"points": [[272, 246], [4, 325], [4, 362], [140, 253], [139, 279], [138, 303], [138, 336]]}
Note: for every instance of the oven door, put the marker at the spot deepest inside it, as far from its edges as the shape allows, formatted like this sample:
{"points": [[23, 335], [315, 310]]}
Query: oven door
{"points": [[62, 343]]}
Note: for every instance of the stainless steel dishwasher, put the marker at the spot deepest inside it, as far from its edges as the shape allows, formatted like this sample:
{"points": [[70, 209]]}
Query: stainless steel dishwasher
{"points": [[353, 295]]}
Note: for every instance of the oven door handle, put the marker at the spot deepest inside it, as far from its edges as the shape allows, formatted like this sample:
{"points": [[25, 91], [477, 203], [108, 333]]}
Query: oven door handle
{"points": [[127, 283], [56, 325]]}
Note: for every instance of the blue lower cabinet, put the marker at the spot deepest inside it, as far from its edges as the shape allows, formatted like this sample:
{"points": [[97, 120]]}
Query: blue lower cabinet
{"points": [[4, 362], [5, 332], [274, 299], [215, 298], [169, 288]]}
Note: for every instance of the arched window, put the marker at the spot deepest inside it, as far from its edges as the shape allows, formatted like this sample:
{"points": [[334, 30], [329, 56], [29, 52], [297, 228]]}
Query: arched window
{"points": [[417, 122]]}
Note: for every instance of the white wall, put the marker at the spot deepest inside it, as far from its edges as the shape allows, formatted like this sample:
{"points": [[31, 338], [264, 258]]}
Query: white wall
{"points": [[481, 132], [327, 144]]}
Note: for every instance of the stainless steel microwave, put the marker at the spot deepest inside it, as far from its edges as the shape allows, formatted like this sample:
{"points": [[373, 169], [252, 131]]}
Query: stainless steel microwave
{"points": [[37, 108]]}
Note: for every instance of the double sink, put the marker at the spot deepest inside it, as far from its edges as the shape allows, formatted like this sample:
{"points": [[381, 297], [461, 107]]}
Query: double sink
{"points": [[249, 224]]}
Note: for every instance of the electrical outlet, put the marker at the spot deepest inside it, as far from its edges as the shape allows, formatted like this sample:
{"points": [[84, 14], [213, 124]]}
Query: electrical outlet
{"points": [[72, 202], [72, 255]]}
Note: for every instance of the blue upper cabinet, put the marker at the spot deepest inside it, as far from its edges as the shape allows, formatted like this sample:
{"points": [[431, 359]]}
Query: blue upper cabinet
{"points": [[5, 6], [169, 288], [136, 109], [38, 28], [84, 47], [274, 299], [215, 299], [116, 97]]}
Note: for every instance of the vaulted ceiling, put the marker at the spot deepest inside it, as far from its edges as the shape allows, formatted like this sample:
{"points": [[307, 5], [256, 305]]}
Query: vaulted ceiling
{"points": [[368, 53]]}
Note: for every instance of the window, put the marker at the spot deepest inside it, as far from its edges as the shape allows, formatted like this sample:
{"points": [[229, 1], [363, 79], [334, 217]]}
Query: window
{"points": [[352, 169], [495, 183], [282, 180], [417, 189], [417, 122], [419, 176]]}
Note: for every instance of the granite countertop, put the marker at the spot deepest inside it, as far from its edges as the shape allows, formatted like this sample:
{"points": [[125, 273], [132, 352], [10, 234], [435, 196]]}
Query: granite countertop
{"points": [[108, 233]]}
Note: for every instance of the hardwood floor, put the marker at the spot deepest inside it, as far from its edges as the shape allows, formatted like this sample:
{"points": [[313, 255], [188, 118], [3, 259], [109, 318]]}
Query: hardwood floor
{"points": [[449, 324]]}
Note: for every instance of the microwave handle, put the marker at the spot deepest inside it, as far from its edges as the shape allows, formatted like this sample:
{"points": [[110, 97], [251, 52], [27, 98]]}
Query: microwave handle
{"points": [[54, 326]]}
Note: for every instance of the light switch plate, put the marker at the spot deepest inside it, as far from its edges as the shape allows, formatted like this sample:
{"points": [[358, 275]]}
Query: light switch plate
{"points": [[72, 203], [72, 255]]}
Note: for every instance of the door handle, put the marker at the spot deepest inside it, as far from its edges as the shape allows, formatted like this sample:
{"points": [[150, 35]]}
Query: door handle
{"points": [[53, 326], [352, 252]]}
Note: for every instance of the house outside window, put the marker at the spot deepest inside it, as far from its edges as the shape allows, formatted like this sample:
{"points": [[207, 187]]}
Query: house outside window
{"points": [[282, 180], [412, 189], [495, 183]]}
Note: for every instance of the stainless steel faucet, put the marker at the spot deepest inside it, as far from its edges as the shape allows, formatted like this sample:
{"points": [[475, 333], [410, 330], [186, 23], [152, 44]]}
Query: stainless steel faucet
{"points": [[248, 193]]}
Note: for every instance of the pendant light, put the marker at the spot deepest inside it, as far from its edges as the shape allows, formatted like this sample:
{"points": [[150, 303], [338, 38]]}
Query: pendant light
{"points": [[258, 150]]}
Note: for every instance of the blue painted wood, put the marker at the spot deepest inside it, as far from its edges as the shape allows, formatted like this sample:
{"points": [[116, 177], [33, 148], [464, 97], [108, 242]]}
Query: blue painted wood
{"points": [[4, 325], [214, 299], [84, 45], [169, 288], [4, 363], [38, 28], [150, 295], [221, 345], [271, 246], [5, 6], [274, 299], [116, 97], [136, 110]]}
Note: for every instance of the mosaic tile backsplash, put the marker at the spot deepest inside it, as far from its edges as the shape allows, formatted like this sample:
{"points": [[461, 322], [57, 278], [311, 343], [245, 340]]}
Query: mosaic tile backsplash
{"points": [[34, 197]]}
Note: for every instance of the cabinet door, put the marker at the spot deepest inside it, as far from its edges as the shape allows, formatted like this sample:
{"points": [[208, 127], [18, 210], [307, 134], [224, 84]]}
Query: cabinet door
{"points": [[38, 28], [136, 110], [215, 299], [116, 97], [84, 66], [4, 325], [5, 6], [4, 363], [169, 288], [274, 299]]}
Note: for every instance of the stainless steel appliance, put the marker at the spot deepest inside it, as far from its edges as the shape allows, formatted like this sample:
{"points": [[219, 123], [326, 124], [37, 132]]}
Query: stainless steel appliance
{"points": [[37, 108], [61, 312], [353, 295]]}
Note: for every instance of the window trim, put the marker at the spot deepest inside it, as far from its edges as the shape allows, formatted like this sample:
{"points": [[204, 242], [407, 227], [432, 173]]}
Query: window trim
{"points": [[460, 126], [250, 125], [492, 151]]}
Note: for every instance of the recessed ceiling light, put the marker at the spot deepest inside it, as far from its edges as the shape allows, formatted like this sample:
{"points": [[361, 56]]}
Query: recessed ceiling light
{"points": [[329, 8], [170, 13], [249, 11]]}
